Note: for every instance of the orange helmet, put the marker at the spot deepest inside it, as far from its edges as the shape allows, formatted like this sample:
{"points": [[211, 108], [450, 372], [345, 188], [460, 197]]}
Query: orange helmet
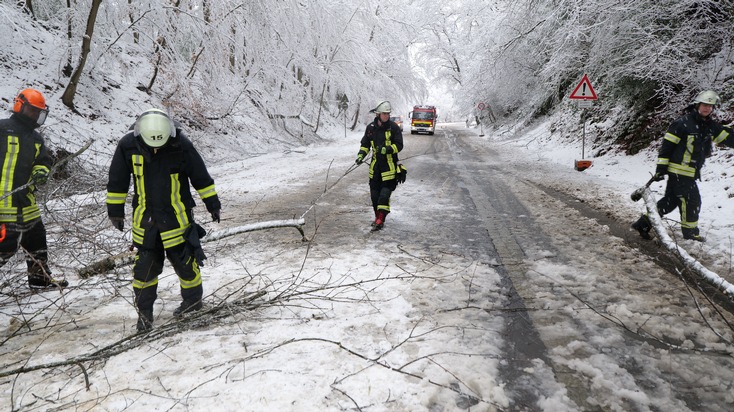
{"points": [[31, 97]]}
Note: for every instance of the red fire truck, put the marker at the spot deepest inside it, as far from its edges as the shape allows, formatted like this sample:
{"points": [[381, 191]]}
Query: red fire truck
{"points": [[423, 119]]}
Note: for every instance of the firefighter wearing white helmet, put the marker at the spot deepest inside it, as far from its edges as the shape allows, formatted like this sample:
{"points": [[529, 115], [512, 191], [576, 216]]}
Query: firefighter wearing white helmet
{"points": [[686, 145], [385, 139], [163, 164], [155, 128], [382, 107], [707, 97]]}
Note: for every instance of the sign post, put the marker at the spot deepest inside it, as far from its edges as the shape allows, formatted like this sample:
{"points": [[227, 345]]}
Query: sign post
{"points": [[481, 106], [343, 106], [585, 95]]}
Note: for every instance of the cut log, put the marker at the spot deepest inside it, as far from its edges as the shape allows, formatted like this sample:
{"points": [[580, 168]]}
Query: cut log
{"points": [[127, 258]]}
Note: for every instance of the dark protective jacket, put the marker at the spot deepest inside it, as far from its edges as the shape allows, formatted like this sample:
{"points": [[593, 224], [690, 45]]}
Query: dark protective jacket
{"points": [[383, 167], [162, 201], [687, 144], [23, 152]]}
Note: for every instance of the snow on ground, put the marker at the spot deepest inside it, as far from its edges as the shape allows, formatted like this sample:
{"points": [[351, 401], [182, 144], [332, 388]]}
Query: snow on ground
{"points": [[614, 176], [352, 328], [323, 348]]}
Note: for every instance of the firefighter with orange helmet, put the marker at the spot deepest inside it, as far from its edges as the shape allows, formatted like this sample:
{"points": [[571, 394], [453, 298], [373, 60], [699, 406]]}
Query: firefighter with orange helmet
{"points": [[26, 163]]}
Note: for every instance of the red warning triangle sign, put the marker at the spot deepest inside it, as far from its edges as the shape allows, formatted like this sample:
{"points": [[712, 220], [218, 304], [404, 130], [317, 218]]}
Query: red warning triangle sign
{"points": [[584, 90]]}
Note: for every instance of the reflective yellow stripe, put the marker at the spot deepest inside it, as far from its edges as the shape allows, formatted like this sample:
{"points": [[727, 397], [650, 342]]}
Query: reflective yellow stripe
{"points": [[39, 167], [672, 138], [31, 212], [173, 237], [206, 192], [8, 174], [138, 234], [116, 198], [176, 202], [683, 213], [721, 137], [138, 284], [390, 174], [196, 281], [689, 150], [663, 161], [682, 170], [138, 163]]}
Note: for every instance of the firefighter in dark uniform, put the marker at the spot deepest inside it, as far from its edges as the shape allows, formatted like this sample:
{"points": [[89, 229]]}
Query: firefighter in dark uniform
{"points": [[26, 163], [385, 139], [162, 161], [687, 144]]}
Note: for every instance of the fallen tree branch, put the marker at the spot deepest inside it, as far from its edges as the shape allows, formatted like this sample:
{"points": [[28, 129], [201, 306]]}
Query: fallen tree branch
{"points": [[127, 258], [271, 224], [688, 261], [197, 319]]}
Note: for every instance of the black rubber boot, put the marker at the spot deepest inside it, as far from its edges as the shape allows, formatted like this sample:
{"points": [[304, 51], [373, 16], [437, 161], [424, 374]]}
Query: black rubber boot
{"points": [[39, 277], [145, 320], [692, 234], [192, 301], [188, 307], [643, 226]]}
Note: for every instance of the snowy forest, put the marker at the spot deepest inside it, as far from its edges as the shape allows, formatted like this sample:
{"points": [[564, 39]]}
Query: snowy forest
{"points": [[217, 62], [267, 90]]}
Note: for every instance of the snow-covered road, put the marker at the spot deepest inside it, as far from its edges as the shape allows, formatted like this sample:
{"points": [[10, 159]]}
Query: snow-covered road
{"points": [[484, 292]]}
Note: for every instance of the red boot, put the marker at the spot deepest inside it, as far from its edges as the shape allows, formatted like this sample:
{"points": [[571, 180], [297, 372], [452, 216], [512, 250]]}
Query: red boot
{"points": [[379, 220]]}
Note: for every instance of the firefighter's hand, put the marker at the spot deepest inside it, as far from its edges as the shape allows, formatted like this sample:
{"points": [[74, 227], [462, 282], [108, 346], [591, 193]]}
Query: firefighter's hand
{"points": [[359, 160], [658, 177], [118, 223], [216, 215], [39, 177]]}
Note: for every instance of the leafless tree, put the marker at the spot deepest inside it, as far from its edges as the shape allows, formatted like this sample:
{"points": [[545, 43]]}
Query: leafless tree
{"points": [[70, 92]]}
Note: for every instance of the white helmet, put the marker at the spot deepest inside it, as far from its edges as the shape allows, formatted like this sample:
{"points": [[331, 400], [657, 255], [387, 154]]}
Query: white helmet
{"points": [[382, 107], [155, 128], [707, 97]]}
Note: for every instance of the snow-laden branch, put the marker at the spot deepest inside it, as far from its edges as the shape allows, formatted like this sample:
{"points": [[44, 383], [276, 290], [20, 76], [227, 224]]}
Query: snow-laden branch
{"points": [[690, 262], [271, 224]]}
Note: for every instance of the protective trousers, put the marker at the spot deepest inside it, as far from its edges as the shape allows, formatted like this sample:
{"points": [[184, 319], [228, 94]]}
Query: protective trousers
{"points": [[380, 193], [31, 236], [149, 264], [682, 192]]}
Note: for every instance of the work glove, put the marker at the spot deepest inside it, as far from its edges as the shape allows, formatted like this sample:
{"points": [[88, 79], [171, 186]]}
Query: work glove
{"points": [[359, 159], [402, 174], [386, 150], [658, 177], [216, 215], [39, 176], [192, 246], [118, 223]]}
